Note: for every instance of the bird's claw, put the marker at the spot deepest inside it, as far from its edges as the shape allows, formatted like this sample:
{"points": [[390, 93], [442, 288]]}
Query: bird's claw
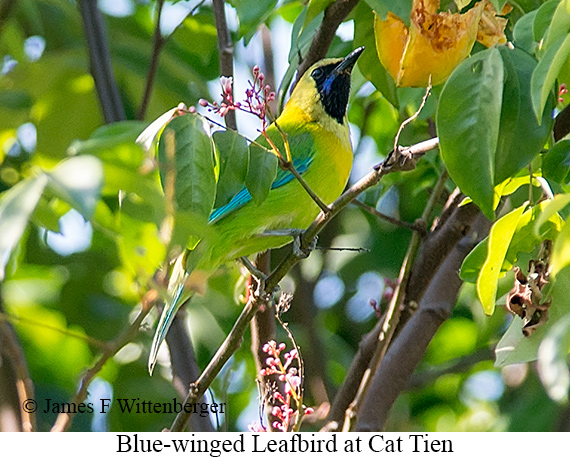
{"points": [[299, 251]]}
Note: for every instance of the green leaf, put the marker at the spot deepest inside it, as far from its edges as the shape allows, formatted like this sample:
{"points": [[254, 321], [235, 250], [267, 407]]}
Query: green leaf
{"points": [[523, 33], [302, 35], [543, 18], [314, 8], [550, 208], [559, 25], [251, 13], [556, 162], [546, 72], [525, 238], [186, 156], [232, 158], [16, 207], [78, 181], [401, 8], [560, 257], [261, 172], [368, 62], [515, 151], [468, 120], [553, 360], [499, 240]]}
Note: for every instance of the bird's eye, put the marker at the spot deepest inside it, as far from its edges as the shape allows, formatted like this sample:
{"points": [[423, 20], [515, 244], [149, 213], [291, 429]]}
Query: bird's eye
{"points": [[317, 73]]}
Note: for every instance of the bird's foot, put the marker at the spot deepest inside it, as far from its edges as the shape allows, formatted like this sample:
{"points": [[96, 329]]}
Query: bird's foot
{"points": [[255, 272], [300, 251]]}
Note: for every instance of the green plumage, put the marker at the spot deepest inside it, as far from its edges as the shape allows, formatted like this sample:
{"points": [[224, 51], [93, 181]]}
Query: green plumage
{"points": [[321, 150]]}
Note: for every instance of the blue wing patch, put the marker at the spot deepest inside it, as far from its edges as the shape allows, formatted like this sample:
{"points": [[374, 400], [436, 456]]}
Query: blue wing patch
{"points": [[243, 196]]}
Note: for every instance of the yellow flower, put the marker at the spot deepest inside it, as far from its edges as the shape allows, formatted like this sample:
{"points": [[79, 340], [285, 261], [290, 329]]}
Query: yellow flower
{"points": [[435, 43]]}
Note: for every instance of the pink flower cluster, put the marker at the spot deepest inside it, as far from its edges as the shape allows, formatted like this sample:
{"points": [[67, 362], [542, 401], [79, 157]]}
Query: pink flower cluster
{"points": [[257, 97], [283, 410]]}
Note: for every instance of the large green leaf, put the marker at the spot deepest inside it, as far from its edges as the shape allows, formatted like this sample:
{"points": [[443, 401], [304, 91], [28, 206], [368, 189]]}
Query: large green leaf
{"points": [[534, 226], [232, 158], [16, 208], [499, 240], [261, 172], [468, 119], [514, 150], [186, 156], [559, 25], [543, 18], [78, 181], [523, 34], [546, 72]]}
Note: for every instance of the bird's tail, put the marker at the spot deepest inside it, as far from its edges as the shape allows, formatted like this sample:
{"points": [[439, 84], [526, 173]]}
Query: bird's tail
{"points": [[177, 296]]}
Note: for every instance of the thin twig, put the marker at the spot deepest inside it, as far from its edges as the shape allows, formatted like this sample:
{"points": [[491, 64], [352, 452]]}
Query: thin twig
{"points": [[393, 313], [413, 116], [63, 421], [407, 225], [11, 349], [158, 42]]}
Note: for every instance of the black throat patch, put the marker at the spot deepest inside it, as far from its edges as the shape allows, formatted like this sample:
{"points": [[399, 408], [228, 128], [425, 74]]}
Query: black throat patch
{"points": [[334, 90]]}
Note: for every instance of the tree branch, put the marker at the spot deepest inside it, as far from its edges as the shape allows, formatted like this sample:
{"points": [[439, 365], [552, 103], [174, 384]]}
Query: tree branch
{"points": [[460, 217], [100, 62], [392, 316], [157, 44], [334, 15], [229, 346], [410, 346], [225, 51], [185, 368]]}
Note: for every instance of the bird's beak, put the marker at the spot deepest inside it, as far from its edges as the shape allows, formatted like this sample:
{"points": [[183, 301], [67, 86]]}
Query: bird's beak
{"points": [[348, 63]]}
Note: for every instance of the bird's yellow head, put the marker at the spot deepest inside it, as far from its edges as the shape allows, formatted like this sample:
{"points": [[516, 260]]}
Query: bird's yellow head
{"points": [[322, 93]]}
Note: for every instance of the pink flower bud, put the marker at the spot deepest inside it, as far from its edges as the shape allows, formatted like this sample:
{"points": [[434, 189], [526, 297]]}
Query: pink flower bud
{"points": [[255, 70], [309, 411], [203, 102], [261, 77], [192, 109], [226, 84]]}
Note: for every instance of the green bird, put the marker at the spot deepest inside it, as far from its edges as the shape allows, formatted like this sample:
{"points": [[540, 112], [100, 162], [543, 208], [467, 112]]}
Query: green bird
{"points": [[315, 123]]}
